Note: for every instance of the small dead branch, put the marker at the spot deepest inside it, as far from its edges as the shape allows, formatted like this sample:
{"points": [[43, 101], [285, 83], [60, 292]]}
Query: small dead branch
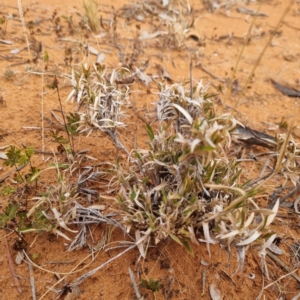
{"points": [[203, 281], [294, 192], [12, 172], [286, 275], [12, 270], [290, 26], [252, 12], [55, 262], [283, 265], [32, 284], [135, 286], [42, 152], [200, 66], [90, 273]]}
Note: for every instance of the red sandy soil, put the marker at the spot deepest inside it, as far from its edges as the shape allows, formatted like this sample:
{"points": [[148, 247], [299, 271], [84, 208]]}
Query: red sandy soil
{"points": [[259, 105]]}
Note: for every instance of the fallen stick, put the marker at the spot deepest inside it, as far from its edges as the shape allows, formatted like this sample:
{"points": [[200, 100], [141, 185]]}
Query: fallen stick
{"points": [[135, 286], [11, 172], [88, 274], [283, 265], [209, 73], [12, 270], [32, 284]]}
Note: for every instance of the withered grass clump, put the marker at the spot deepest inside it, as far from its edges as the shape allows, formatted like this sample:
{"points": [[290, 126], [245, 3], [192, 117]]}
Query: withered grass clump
{"points": [[186, 186], [100, 102], [92, 18], [54, 209]]}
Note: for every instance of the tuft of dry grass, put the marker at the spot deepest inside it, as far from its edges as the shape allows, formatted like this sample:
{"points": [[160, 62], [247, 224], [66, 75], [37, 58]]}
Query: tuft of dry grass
{"points": [[101, 104], [186, 185], [91, 14]]}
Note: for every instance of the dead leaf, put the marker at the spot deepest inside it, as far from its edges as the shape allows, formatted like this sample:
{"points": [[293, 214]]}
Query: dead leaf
{"points": [[143, 76], [148, 36], [93, 50], [6, 42], [100, 58], [19, 257], [3, 155], [74, 294], [275, 249], [15, 51], [215, 293]]}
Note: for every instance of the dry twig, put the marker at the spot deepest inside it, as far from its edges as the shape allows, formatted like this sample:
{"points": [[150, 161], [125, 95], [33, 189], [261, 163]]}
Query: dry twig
{"points": [[283, 265], [12, 270], [32, 284], [135, 286]]}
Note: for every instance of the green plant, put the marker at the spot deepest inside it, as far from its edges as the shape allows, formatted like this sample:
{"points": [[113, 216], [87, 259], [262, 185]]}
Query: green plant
{"points": [[60, 139], [151, 285], [9, 214], [283, 123], [48, 213], [35, 256], [73, 120], [46, 59], [18, 158], [6, 190], [55, 209], [52, 209]]}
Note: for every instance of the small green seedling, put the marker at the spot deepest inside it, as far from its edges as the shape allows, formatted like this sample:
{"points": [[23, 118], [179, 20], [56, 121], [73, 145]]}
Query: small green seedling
{"points": [[6, 190], [73, 123], [151, 285], [35, 256]]}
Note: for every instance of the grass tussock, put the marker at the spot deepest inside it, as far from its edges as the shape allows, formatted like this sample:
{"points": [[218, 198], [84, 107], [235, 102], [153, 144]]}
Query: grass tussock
{"points": [[92, 19], [188, 184]]}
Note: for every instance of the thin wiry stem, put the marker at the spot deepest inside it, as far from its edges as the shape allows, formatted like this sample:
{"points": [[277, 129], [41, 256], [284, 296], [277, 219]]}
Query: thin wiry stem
{"points": [[23, 24], [90, 273], [247, 39], [42, 108], [273, 33], [55, 84]]}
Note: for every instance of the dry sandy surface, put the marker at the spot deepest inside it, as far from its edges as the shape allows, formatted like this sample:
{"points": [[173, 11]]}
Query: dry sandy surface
{"points": [[213, 44]]}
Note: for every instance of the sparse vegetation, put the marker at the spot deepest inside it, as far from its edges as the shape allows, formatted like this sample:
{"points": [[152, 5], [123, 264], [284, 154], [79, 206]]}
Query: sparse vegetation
{"points": [[140, 158]]}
